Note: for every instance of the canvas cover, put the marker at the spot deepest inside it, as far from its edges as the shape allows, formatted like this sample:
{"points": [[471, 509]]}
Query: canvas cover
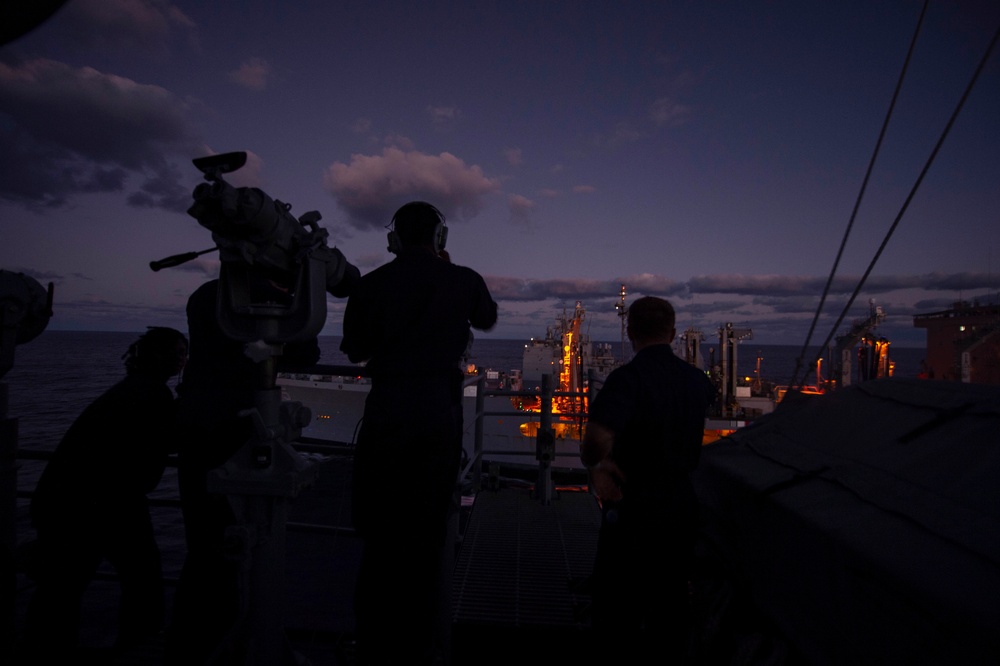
{"points": [[861, 526]]}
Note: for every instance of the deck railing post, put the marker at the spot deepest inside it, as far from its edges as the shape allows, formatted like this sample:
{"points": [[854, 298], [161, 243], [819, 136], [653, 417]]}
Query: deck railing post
{"points": [[477, 451], [594, 382], [545, 444]]}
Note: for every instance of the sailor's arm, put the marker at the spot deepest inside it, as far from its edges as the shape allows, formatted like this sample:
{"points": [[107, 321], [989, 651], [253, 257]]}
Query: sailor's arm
{"points": [[595, 452], [484, 313], [356, 342]]}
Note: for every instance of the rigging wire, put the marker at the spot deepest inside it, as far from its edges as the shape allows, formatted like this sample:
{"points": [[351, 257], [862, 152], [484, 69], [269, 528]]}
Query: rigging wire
{"points": [[861, 194], [916, 185]]}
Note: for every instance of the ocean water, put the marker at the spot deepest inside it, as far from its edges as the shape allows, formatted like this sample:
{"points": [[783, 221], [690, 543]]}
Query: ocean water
{"points": [[56, 375]]}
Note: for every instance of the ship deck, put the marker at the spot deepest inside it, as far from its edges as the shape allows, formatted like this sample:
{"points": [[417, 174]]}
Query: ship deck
{"points": [[516, 586]]}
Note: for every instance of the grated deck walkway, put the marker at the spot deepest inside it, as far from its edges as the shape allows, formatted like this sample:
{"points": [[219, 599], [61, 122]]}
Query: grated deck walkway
{"points": [[519, 582]]}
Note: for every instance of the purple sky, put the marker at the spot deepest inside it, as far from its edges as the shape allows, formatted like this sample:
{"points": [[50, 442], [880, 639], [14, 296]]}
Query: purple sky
{"points": [[707, 152]]}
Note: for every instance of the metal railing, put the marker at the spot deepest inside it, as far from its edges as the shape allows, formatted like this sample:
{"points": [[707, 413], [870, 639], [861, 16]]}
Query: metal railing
{"points": [[472, 468]]}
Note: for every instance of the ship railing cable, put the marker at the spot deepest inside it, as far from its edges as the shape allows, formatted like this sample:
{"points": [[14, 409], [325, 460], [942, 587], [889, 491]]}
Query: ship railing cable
{"points": [[916, 185], [857, 203], [913, 191]]}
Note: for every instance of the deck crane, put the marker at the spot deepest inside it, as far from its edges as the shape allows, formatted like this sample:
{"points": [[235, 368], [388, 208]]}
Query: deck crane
{"points": [[873, 354]]}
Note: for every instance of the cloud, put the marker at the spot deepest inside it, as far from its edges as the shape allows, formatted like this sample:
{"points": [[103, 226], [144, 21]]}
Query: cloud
{"points": [[404, 143], [521, 208], [43, 277], [651, 285], [67, 130], [524, 289], [135, 26], [162, 190], [368, 261], [371, 187], [584, 189], [756, 284], [250, 174], [513, 156], [666, 111], [443, 115], [777, 307], [787, 285], [252, 74], [622, 134]]}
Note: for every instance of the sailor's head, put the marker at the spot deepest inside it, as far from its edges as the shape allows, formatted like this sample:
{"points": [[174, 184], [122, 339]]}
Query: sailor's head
{"points": [[159, 352], [419, 223], [651, 320]]}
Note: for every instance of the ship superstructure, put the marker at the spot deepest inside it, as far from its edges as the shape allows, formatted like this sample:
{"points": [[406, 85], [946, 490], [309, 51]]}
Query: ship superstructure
{"points": [[963, 343], [567, 355]]}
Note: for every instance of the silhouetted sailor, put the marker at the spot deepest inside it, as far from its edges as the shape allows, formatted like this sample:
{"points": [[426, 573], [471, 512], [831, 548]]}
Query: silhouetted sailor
{"points": [[410, 319], [643, 440], [90, 504]]}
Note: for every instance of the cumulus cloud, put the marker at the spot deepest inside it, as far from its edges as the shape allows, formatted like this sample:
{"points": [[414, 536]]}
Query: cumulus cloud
{"points": [[371, 187], [252, 74], [404, 143], [250, 174], [521, 208], [67, 130], [136, 26], [513, 156]]}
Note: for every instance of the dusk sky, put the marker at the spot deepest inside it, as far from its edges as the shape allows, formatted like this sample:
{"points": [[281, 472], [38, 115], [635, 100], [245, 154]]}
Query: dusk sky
{"points": [[707, 152]]}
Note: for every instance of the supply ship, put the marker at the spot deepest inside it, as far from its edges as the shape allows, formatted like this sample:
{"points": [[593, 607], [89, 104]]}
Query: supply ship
{"points": [[575, 367], [511, 400]]}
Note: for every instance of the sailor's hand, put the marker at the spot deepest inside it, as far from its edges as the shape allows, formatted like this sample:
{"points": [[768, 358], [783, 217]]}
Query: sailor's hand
{"points": [[606, 479]]}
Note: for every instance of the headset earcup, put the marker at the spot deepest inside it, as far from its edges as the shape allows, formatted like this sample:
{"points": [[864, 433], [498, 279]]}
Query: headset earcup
{"points": [[440, 237], [394, 243]]}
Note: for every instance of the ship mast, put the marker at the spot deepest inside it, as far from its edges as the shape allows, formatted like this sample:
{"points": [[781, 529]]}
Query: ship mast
{"points": [[622, 313]]}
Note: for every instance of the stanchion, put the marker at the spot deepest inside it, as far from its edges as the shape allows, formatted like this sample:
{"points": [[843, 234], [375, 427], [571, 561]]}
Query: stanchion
{"points": [[545, 443]]}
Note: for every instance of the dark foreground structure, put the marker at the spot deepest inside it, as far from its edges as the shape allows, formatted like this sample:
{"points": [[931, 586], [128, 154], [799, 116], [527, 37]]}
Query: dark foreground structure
{"points": [[518, 585], [857, 527]]}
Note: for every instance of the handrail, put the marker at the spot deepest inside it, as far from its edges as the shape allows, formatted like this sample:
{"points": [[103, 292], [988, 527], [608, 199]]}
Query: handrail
{"points": [[472, 467]]}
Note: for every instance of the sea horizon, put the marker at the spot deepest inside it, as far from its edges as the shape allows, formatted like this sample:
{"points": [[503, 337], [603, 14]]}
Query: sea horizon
{"points": [[490, 336]]}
